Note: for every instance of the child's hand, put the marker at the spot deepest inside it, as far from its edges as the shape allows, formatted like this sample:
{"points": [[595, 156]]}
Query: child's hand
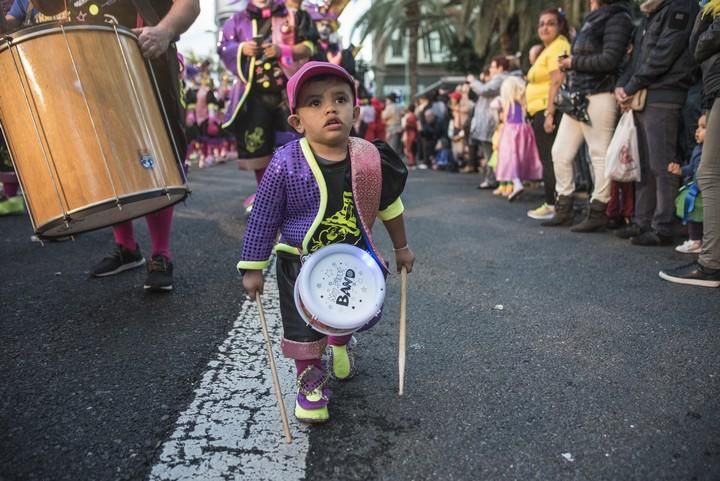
{"points": [[253, 282], [674, 168], [549, 124], [565, 62], [404, 258]]}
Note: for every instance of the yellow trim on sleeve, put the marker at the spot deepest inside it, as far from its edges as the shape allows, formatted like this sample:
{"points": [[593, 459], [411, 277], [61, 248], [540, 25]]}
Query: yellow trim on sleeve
{"points": [[309, 45], [248, 83], [392, 211], [315, 168], [239, 62], [253, 24], [253, 265], [287, 248]]}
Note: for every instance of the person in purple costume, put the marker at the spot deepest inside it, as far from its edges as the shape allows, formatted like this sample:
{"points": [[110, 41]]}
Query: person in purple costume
{"points": [[263, 46], [322, 189]]}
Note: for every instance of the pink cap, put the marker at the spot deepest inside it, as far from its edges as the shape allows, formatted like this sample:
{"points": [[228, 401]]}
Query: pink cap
{"points": [[315, 69]]}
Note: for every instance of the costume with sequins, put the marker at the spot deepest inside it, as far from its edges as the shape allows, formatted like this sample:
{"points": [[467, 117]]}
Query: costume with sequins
{"points": [[290, 200]]}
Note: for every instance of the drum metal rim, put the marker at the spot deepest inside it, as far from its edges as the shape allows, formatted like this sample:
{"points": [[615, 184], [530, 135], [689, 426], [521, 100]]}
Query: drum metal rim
{"points": [[104, 205], [309, 265], [41, 30]]}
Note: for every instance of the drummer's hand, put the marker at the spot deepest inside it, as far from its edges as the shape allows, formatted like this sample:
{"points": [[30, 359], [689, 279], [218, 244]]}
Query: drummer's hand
{"points": [[404, 258], [253, 282], [251, 49], [154, 41], [270, 50]]}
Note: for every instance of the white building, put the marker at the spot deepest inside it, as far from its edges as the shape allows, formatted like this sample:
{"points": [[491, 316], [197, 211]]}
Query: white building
{"points": [[225, 9], [391, 71]]}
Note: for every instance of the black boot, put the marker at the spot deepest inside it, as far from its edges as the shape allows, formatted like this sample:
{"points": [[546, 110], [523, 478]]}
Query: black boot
{"points": [[595, 220], [564, 213]]}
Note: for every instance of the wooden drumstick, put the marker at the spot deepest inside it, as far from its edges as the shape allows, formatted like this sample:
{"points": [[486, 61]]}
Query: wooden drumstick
{"points": [[273, 369], [403, 329]]}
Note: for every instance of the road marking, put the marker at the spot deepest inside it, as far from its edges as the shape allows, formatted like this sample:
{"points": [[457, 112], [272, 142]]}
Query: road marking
{"points": [[232, 428]]}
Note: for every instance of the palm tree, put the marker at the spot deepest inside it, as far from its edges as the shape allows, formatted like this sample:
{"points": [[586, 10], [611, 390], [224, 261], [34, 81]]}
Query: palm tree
{"points": [[494, 26], [415, 20]]}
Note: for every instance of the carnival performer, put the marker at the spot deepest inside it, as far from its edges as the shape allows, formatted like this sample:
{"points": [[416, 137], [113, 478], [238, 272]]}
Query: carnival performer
{"points": [[329, 44], [157, 44], [206, 113], [192, 129], [228, 150], [322, 189], [262, 45]]}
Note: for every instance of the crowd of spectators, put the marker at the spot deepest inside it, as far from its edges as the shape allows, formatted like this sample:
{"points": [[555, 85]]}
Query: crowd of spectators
{"points": [[552, 125]]}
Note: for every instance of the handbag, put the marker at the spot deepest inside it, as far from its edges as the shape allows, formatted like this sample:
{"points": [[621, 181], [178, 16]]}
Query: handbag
{"points": [[638, 100], [572, 103]]}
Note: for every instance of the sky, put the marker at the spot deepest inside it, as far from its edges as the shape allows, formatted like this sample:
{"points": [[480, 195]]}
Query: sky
{"points": [[201, 36]]}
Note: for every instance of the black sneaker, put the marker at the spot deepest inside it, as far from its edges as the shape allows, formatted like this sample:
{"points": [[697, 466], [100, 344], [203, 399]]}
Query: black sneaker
{"points": [[692, 274], [159, 277], [615, 223], [119, 260], [630, 230], [651, 239]]}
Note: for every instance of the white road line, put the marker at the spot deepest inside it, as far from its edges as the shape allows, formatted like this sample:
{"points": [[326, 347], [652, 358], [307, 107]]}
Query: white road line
{"points": [[232, 428]]}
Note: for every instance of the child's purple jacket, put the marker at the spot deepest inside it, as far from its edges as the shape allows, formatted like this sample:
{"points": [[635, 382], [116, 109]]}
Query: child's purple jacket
{"points": [[292, 197]]}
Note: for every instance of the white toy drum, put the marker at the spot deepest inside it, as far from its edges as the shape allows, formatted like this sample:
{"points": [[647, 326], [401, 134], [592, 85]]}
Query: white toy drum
{"points": [[340, 288]]}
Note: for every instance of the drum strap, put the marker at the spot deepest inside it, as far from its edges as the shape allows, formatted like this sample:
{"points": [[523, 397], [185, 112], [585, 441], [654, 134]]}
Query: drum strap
{"points": [[265, 29], [147, 12]]}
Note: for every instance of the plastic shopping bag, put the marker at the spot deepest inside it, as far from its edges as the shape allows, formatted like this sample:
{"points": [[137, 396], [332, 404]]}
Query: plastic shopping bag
{"points": [[622, 160]]}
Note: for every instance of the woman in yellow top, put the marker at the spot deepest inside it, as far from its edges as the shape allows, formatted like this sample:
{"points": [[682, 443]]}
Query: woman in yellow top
{"points": [[544, 81]]}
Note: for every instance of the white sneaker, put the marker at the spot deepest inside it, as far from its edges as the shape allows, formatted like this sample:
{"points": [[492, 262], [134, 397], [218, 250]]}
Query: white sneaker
{"points": [[690, 247], [422, 167]]}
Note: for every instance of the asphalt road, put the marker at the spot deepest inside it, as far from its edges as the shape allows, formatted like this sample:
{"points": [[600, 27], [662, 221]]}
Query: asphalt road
{"points": [[592, 369]]}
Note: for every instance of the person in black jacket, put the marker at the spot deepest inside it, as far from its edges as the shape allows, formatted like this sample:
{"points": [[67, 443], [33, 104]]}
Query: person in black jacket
{"points": [[705, 44], [660, 63], [597, 54]]}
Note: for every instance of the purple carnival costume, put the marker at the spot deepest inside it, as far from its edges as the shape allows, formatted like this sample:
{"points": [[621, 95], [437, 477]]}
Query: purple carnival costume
{"points": [[329, 46], [291, 199], [257, 112]]}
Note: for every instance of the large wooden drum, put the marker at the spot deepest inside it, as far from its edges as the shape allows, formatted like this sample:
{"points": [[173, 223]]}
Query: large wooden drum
{"points": [[87, 133]]}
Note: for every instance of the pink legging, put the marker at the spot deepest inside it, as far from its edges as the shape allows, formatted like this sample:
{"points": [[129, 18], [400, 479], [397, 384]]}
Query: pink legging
{"points": [[159, 225], [301, 364]]}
